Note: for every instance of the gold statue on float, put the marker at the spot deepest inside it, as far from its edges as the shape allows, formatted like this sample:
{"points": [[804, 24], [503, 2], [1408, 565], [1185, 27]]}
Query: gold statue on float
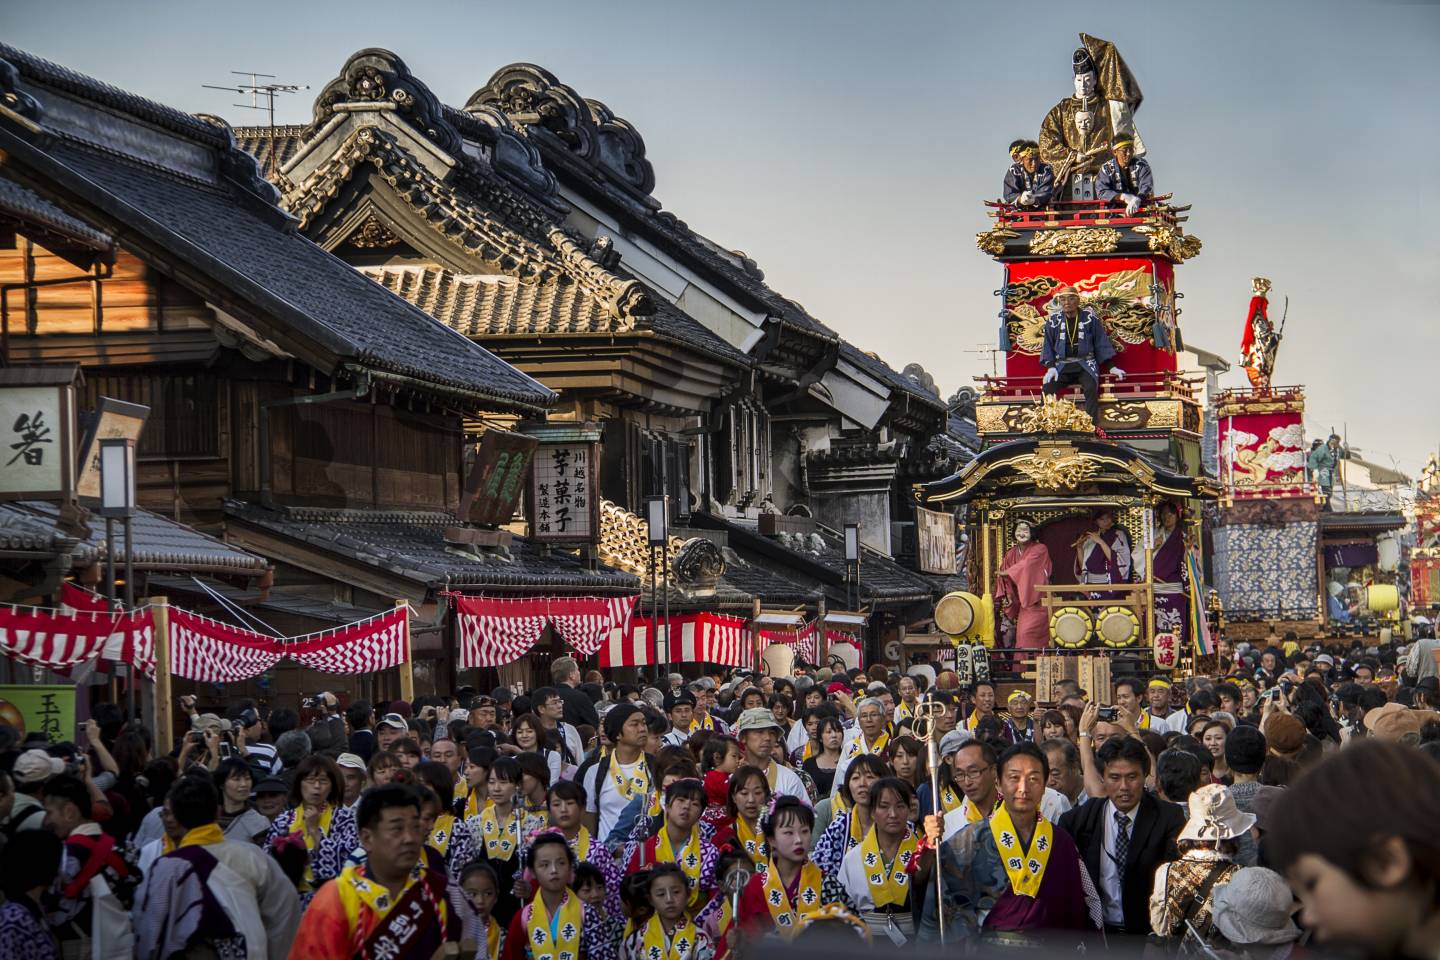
{"points": [[1076, 134]]}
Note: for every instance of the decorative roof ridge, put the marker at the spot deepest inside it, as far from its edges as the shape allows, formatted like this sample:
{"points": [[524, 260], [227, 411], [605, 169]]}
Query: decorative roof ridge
{"points": [[535, 100], [622, 296], [345, 514], [379, 77]]}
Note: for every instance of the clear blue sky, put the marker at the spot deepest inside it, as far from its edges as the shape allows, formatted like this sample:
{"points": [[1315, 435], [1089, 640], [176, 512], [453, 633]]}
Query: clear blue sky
{"points": [[846, 147]]}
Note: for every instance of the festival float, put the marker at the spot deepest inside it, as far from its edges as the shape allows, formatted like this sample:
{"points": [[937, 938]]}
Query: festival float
{"points": [[1084, 507]]}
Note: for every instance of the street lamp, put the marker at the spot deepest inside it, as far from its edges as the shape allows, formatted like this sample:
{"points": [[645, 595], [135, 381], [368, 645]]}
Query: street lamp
{"points": [[657, 521], [117, 500], [852, 559]]}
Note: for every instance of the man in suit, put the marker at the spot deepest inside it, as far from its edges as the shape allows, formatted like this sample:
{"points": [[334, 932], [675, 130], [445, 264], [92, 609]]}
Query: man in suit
{"points": [[1125, 835]]}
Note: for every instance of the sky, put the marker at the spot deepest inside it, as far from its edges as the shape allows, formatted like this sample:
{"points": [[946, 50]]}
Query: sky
{"points": [[847, 147]]}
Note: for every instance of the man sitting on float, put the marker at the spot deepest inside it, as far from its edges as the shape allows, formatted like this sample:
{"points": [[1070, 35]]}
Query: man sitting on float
{"points": [[1076, 348], [1029, 183], [1125, 177], [1102, 555]]}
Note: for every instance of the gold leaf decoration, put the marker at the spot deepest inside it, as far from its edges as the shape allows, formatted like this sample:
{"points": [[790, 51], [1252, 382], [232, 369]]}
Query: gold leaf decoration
{"points": [[373, 235], [1074, 242], [1059, 470], [992, 241], [1053, 415], [1168, 241]]}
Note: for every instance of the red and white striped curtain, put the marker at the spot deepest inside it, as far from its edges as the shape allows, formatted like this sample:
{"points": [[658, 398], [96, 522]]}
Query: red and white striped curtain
{"points": [[214, 652], [494, 631], [698, 638], [61, 639]]}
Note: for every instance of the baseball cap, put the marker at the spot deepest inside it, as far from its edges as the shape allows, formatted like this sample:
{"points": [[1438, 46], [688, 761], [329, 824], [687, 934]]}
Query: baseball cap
{"points": [[683, 698], [36, 766], [271, 785], [392, 720], [350, 760], [953, 741]]}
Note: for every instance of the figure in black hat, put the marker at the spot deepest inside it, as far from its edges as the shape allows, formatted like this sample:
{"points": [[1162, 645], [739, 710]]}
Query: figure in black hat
{"points": [[1076, 134], [1029, 182], [1125, 177]]}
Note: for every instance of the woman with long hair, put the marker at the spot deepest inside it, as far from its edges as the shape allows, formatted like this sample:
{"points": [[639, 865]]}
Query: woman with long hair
{"points": [[906, 756], [1052, 726], [530, 736], [847, 829], [1213, 735], [746, 801]]}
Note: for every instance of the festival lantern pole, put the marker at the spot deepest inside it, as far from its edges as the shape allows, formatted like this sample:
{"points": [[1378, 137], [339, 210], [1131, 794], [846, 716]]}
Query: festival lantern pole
{"points": [[164, 712], [407, 671], [927, 713]]}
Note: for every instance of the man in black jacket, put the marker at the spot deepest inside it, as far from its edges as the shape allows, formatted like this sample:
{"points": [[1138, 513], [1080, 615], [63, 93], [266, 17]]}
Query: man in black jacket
{"points": [[579, 708], [1125, 835]]}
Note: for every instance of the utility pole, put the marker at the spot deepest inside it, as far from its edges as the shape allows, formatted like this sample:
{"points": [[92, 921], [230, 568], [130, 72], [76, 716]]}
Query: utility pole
{"points": [[262, 97]]}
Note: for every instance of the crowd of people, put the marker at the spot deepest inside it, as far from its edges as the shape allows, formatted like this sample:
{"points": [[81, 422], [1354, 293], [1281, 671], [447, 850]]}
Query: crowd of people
{"points": [[1287, 801]]}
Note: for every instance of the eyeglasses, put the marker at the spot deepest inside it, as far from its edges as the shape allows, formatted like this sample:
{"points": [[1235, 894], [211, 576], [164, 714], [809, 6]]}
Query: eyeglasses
{"points": [[971, 773]]}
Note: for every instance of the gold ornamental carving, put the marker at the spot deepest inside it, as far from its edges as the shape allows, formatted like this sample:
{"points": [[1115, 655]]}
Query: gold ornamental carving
{"points": [[1170, 242], [1164, 413], [1124, 413], [1053, 415], [373, 235], [1074, 243], [992, 241], [990, 418], [1059, 468]]}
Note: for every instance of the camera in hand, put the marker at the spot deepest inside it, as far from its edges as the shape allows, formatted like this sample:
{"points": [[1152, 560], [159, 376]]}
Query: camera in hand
{"points": [[1108, 714]]}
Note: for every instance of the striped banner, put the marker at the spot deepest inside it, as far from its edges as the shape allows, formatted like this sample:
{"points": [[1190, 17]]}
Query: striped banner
{"points": [[214, 652], [60, 639], [698, 638], [494, 631], [361, 647]]}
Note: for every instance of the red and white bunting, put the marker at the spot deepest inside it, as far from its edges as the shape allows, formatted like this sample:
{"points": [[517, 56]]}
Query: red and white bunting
{"points": [[214, 652], [498, 630], [698, 638], [60, 639], [802, 639], [494, 631], [361, 647]]}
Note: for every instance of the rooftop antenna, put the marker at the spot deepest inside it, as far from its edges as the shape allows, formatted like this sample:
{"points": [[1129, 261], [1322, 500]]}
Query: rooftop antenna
{"points": [[993, 350], [262, 97]]}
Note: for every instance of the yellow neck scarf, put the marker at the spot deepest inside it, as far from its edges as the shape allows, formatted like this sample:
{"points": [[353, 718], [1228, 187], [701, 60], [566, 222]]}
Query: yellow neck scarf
{"points": [[473, 803], [950, 798], [500, 840], [582, 843], [357, 890], [974, 814], [905, 710], [629, 786], [855, 829], [565, 940], [753, 841], [859, 747], [688, 858], [492, 939], [807, 899], [677, 946], [298, 826], [888, 885], [200, 836], [701, 721], [1025, 871], [444, 830]]}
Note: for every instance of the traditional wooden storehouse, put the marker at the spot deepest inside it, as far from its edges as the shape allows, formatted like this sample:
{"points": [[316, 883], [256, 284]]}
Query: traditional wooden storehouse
{"points": [[301, 410]]}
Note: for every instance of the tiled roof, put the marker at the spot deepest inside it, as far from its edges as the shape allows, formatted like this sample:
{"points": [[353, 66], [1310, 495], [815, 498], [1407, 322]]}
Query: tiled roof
{"points": [[24, 531], [411, 545], [27, 205], [822, 556], [160, 543], [223, 228], [283, 139], [480, 305]]}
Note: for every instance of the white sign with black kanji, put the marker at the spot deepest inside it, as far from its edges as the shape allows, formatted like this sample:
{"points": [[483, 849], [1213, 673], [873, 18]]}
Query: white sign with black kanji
{"points": [[562, 491]]}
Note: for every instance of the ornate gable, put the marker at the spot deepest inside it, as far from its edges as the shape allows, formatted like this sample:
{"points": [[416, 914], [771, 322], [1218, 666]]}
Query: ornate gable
{"points": [[377, 77], [534, 98]]}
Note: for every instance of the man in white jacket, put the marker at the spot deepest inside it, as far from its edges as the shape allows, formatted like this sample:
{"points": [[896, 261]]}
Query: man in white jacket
{"points": [[212, 892]]}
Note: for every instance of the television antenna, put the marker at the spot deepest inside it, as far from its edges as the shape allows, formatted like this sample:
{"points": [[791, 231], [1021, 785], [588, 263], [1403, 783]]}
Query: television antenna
{"points": [[994, 352], [263, 90]]}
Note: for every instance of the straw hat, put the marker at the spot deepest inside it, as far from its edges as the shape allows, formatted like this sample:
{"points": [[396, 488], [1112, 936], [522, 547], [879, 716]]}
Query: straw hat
{"points": [[1214, 816], [1254, 908]]}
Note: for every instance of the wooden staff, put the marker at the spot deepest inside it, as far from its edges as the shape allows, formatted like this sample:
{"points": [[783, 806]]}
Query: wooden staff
{"points": [[927, 713]]}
